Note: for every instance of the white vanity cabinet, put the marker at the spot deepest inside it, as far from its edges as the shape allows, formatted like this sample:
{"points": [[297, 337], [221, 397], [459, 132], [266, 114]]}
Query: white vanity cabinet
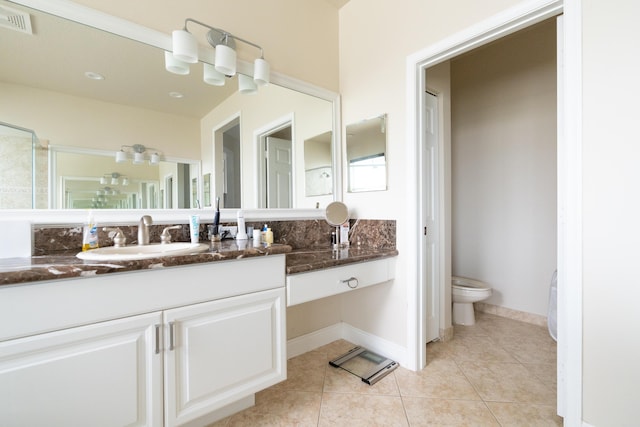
{"points": [[106, 374], [309, 286], [150, 348]]}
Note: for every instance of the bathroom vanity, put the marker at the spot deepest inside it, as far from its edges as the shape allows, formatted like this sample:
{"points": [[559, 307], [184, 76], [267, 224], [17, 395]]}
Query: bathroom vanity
{"points": [[174, 340], [158, 347]]}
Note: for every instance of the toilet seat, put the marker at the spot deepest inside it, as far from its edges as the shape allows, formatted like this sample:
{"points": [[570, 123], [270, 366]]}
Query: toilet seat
{"points": [[470, 285]]}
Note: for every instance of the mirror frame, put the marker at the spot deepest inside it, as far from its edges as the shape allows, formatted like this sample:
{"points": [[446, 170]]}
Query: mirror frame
{"points": [[102, 21]]}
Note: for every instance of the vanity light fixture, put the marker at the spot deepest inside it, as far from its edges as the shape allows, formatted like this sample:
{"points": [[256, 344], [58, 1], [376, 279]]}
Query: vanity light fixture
{"points": [[113, 178], [139, 154], [185, 52]]}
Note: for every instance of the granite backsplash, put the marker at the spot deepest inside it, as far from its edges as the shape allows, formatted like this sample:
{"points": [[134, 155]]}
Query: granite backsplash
{"points": [[302, 234]]}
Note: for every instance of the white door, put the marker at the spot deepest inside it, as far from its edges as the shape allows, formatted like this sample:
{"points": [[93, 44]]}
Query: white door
{"points": [[107, 374], [221, 351], [279, 173], [430, 261]]}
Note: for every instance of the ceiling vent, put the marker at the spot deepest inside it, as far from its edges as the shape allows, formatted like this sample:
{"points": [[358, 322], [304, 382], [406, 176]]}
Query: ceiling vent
{"points": [[15, 20]]}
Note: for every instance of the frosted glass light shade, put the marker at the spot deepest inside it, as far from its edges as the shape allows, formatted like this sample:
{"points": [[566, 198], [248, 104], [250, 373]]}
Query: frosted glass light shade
{"points": [[121, 156], [185, 46], [261, 72], [225, 60], [175, 66], [155, 159], [114, 181], [138, 158], [125, 181], [103, 180], [246, 85], [212, 76]]}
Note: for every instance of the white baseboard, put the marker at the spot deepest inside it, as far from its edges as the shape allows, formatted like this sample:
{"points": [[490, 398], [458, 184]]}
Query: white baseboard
{"points": [[313, 340]]}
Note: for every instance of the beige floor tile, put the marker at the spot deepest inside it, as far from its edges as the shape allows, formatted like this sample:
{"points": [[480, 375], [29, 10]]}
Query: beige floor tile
{"points": [[509, 364], [346, 409], [478, 348], [336, 348], [305, 372], [298, 407], [507, 382], [340, 381], [523, 414], [439, 379], [439, 412], [547, 373]]}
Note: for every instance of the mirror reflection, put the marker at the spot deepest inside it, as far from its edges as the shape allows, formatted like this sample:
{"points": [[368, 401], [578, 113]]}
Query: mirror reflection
{"points": [[84, 179], [138, 102], [317, 162], [366, 154]]}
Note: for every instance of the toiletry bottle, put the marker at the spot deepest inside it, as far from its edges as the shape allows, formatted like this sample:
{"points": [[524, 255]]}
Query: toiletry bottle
{"points": [[90, 234], [242, 229], [268, 236], [344, 234], [264, 233]]}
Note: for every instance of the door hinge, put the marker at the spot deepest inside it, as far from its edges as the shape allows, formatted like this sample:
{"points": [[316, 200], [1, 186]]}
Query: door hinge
{"points": [[425, 231]]}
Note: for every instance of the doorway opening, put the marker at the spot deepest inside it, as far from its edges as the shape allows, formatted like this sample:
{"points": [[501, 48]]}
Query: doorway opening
{"points": [[227, 160], [276, 166]]}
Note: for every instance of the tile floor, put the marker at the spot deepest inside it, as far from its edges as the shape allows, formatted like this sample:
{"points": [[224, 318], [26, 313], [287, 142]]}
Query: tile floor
{"points": [[499, 372]]}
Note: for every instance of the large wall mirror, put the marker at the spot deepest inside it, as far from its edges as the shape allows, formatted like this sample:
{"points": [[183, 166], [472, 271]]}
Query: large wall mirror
{"points": [[366, 154], [87, 92]]}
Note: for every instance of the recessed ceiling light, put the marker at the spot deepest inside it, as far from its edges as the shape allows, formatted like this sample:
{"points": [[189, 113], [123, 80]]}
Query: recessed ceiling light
{"points": [[93, 76], [176, 95]]}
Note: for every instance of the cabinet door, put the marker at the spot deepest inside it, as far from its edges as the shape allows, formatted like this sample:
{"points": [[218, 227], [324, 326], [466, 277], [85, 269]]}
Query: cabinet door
{"points": [[105, 374], [221, 351]]}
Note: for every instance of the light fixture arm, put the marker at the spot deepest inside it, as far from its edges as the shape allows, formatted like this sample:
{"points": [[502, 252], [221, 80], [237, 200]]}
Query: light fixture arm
{"points": [[225, 35]]}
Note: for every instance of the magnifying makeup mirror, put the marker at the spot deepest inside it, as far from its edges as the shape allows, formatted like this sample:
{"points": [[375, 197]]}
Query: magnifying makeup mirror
{"points": [[337, 214]]}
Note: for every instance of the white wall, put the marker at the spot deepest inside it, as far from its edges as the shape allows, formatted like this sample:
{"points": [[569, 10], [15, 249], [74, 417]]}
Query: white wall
{"points": [[504, 167], [611, 212]]}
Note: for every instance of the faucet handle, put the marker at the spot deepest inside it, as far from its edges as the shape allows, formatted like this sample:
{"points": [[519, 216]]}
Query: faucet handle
{"points": [[165, 237], [118, 237]]}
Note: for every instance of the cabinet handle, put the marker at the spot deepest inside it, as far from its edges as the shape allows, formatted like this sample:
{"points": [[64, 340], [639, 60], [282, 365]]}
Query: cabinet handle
{"points": [[172, 327], [157, 339], [349, 280]]}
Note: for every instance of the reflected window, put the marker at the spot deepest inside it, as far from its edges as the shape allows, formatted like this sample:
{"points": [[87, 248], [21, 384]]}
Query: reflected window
{"points": [[367, 173]]}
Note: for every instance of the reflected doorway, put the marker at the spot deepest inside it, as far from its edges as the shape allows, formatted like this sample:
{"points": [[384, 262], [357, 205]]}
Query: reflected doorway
{"points": [[276, 187]]}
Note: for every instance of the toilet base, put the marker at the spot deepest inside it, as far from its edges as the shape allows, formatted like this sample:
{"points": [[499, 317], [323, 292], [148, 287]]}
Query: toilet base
{"points": [[463, 313]]}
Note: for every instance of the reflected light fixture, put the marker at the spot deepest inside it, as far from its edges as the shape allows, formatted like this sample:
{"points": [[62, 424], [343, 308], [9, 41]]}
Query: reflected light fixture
{"points": [[185, 52], [139, 154], [113, 178]]}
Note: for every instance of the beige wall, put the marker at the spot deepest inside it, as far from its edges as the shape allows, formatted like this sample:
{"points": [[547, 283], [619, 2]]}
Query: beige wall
{"points": [[310, 117], [299, 38], [504, 167], [373, 54], [80, 122], [611, 209]]}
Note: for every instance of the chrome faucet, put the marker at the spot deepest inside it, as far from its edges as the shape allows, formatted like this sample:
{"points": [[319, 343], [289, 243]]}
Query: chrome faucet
{"points": [[143, 229]]}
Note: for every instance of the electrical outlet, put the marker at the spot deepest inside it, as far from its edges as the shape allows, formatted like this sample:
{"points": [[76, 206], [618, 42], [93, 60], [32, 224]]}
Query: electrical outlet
{"points": [[231, 230]]}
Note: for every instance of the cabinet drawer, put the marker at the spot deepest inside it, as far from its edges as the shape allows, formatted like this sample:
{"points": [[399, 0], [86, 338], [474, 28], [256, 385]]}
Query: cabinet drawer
{"points": [[318, 284]]}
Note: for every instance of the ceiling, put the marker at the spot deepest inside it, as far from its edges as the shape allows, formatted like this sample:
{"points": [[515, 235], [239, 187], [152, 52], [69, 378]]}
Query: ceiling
{"points": [[59, 52]]}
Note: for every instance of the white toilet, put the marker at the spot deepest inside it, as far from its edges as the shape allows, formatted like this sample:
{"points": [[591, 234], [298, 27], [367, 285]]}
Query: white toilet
{"points": [[464, 292]]}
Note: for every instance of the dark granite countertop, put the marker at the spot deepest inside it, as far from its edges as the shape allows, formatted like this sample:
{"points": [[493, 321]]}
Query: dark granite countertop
{"points": [[65, 265], [305, 260]]}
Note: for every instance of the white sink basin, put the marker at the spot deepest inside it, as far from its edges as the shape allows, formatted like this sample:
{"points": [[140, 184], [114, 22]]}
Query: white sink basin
{"points": [[134, 252]]}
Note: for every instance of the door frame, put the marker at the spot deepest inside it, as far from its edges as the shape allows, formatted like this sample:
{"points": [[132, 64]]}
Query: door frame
{"points": [[569, 181], [260, 137]]}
